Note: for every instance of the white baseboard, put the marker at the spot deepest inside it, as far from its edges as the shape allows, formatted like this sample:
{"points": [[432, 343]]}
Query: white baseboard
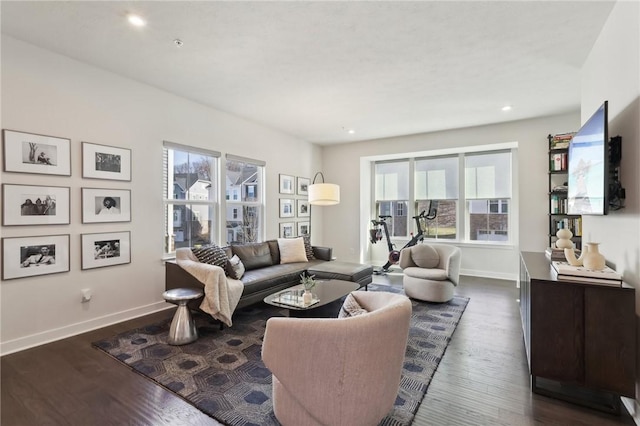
{"points": [[633, 408], [489, 274], [49, 336]]}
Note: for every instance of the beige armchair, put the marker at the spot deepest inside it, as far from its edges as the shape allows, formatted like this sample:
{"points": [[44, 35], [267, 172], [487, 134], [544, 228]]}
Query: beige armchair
{"points": [[338, 371], [431, 271]]}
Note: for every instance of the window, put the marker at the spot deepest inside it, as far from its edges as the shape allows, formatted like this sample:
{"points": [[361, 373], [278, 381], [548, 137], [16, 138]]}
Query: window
{"points": [[392, 195], [436, 187], [244, 179], [488, 193], [190, 197], [470, 192]]}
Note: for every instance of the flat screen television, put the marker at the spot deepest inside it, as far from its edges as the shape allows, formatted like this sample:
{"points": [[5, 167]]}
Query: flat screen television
{"points": [[588, 169]]}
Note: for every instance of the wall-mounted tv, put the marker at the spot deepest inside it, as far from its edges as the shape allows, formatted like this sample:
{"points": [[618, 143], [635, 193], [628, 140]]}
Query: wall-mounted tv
{"points": [[589, 166]]}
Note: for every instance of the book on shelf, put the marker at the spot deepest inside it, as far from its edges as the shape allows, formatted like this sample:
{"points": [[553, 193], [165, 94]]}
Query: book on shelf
{"points": [[564, 269], [588, 280], [561, 141]]}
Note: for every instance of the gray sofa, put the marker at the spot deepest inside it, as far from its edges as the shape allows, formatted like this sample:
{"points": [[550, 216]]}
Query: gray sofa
{"points": [[264, 275]]}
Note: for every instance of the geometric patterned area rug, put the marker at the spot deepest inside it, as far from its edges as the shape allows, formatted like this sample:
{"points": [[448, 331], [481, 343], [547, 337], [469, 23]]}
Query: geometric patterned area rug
{"points": [[222, 373]]}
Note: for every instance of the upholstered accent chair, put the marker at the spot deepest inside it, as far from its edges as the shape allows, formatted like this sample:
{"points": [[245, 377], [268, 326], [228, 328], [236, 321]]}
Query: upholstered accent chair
{"points": [[338, 371], [431, 271]]}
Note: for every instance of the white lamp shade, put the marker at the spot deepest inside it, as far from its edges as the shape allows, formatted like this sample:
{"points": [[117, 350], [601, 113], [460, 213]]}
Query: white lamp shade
{"points": [[324, 194]]}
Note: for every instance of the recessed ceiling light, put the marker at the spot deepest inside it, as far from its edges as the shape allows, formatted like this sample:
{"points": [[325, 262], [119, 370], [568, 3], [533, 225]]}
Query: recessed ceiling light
{"points": [[351, 131], [136, 21], [506, 108]]}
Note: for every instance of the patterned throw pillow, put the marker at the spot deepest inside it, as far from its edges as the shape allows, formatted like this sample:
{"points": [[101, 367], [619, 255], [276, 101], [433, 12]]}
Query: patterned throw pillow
{"points": [[307, 246], [351, 308], [212, 255], [235, 268]]}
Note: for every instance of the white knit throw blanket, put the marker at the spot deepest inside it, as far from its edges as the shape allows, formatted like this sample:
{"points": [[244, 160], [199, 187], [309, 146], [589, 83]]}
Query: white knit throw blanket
{"points": [[221, 293]]}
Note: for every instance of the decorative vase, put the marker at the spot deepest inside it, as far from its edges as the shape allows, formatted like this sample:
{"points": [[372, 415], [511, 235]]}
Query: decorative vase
{"points": [[570, 255], [307, 297], [564, 239], [593, 259]]}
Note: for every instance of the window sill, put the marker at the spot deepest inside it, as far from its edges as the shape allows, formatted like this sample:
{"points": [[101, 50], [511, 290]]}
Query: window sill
{"points": [[399, 243]]}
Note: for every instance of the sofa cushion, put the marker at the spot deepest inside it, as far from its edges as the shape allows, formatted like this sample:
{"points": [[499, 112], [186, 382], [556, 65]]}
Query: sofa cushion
{"points": [[308, 249], [235, 268], [291, 250], [425, 256], [211, 254], [275, 252], [254, 255], [351, 308]]}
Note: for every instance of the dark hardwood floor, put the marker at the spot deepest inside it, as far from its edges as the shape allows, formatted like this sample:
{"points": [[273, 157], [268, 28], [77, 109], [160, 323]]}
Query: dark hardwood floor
{"points": [[482, 379]]}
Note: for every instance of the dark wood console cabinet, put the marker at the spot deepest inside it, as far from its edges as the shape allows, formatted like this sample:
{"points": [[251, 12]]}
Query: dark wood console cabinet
{"points": [[580, 338]]}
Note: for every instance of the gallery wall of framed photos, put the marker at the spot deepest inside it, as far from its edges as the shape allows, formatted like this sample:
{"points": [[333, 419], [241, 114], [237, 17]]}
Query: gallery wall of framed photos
{"points": [[294, 206], [44, 211]]}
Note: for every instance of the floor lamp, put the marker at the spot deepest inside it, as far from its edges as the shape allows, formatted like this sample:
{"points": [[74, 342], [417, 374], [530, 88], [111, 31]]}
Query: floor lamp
{"points": [[322, 194]]}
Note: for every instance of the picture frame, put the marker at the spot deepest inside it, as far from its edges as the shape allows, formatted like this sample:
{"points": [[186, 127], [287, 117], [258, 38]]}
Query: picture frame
{"points": [[287, 207], [287, 229], [35, 205], [33, 153], [286, 184], [303, 228], [103, 249], [303, 186], [31, 256], [105, 162], [303, 208], [102, 205]]}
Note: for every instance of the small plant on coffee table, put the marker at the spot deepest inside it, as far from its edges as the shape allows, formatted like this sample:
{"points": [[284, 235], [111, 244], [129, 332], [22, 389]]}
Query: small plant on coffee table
{"points": [[307, 281]]}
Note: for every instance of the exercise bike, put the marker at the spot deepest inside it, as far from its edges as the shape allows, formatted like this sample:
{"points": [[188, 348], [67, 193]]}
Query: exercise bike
{"points": [[380, 226]]}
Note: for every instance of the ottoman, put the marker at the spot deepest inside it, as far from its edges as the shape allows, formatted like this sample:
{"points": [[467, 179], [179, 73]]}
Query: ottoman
{"points": [[356, 272]]}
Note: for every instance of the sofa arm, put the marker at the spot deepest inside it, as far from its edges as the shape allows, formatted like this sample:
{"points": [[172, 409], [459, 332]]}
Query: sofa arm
{"points": [[322, 253]]}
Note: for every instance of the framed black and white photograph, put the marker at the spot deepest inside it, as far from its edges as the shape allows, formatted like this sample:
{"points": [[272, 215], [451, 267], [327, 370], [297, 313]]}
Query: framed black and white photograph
{"points": [[287, 230], [303, 228], [32, 153], [303, 186], [105, 249], [35, 205], [287, 206], [287, 184], [101, 205], [105, 162], [30, 256], [302, 208]]}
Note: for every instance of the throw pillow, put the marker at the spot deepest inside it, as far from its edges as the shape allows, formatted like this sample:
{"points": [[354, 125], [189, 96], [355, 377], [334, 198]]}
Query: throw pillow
{"points": [[425, 256], [211, 254], [291, 250], [235, 268], [307, 247], [351, 308], [253, 255]]}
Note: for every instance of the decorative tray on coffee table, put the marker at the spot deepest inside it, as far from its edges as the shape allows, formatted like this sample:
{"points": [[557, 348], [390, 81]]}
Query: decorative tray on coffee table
{"points": [[293, 298]]}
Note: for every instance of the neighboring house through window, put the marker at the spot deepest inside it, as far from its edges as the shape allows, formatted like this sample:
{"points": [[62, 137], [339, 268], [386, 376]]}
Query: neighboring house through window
{"points": [[190, 196], [244, 178]]}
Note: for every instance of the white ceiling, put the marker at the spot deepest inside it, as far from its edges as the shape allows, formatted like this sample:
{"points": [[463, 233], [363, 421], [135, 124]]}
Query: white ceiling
{"points": [[315, 69]]}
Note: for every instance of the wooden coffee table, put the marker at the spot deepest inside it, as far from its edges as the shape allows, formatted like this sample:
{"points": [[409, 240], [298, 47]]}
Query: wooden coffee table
{"points": [[328, 292]]}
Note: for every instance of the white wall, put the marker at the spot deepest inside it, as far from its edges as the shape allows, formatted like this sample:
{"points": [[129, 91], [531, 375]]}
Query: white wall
{"points": [[46, 93], [612, 72], [346, 224]]}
